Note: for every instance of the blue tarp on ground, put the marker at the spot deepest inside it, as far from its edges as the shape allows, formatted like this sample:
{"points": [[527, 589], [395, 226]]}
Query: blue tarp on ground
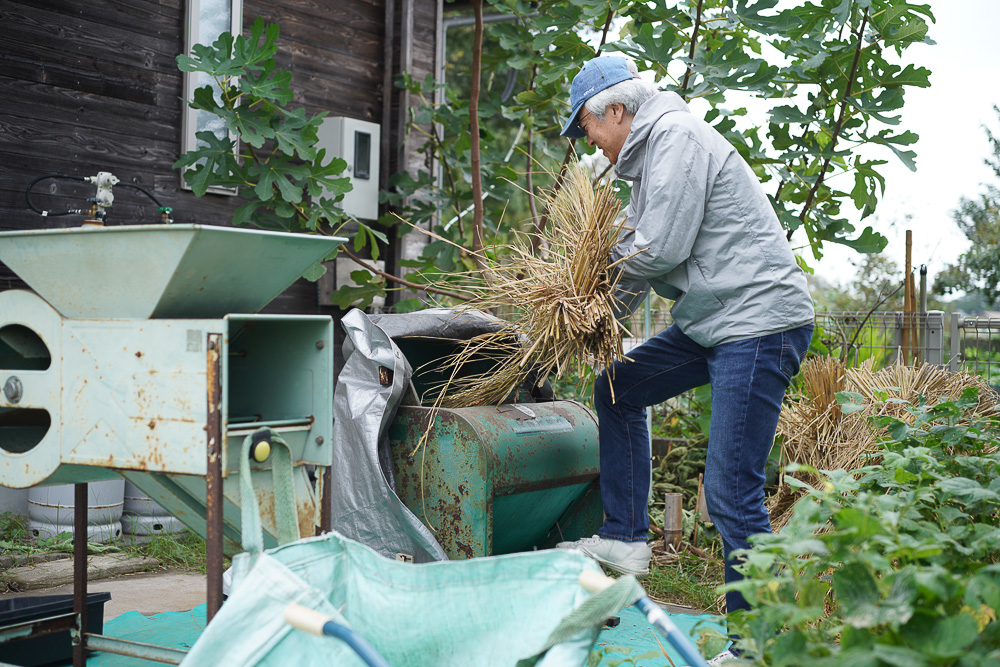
{"points": [[172, 629], [632, 638]]}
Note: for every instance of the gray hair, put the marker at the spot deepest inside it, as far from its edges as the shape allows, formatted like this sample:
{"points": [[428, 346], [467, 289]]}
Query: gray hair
{"points": [[630, 94]]}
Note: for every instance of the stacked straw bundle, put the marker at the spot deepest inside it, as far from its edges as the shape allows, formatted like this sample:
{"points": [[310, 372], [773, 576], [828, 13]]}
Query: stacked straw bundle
{"points": [[562, 305], [818, 434]]}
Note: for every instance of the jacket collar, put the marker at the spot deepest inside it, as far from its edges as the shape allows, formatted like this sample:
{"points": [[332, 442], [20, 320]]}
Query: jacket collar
{"points": [[633, 153]]}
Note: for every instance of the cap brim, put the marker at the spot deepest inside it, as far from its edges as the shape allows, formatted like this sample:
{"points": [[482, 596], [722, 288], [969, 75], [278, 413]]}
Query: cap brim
{"points": [[572, 128]]}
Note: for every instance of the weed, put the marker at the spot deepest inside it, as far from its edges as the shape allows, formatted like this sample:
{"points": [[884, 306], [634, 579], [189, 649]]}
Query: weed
{"points": [[180, 551], [687, 580], [14, 535]]}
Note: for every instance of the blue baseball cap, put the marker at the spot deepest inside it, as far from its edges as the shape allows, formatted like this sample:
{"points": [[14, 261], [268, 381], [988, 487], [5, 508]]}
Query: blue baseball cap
{"points": [[596, 75]]}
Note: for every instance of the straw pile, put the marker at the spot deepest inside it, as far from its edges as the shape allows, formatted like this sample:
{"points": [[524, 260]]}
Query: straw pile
{"points": [[561, 306], [818, 434]]}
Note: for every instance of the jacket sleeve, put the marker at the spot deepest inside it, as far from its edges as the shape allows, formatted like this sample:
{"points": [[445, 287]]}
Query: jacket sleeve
{"points": [[674, 185]]}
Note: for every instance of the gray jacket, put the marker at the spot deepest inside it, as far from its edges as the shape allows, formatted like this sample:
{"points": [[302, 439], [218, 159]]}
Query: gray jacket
{"points": [[708, 234]]}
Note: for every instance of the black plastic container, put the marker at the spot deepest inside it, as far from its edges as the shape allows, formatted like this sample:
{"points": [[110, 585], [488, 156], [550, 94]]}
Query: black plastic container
{"points": [[56, 647]]}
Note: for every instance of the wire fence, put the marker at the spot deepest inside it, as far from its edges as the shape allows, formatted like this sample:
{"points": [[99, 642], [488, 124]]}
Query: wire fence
{"points": [[883, 338], [971, 344], [975, 346]]}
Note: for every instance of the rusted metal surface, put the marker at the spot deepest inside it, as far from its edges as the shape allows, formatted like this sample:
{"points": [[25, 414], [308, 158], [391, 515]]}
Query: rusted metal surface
{"points": [[494, 479], [80, 500], [192, 274], [39, 627], [170, 656], [325, 501], [213, 478], [129, 394]]}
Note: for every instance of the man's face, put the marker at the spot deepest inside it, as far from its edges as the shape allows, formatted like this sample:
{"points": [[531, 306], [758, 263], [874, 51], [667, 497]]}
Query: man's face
{"points": [[609, 135]]}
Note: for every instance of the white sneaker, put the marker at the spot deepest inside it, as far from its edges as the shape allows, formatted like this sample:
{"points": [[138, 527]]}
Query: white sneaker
{"points": [[625, 557], [722, 658]]}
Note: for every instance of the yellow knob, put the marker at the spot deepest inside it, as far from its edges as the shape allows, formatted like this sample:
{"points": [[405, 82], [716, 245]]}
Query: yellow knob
{"points": [[261, 451]]}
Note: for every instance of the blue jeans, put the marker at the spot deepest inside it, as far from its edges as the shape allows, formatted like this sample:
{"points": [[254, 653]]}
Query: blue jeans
{"points": [[748, 379]]}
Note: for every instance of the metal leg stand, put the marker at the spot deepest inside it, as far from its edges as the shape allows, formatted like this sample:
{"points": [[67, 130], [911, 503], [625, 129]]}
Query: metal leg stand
{"points": [[213, 480], [325, 521], [80, 502]]}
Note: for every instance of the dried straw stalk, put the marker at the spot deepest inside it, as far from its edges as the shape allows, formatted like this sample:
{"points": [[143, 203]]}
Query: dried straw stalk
{"points": [[818, 434], [562, 305]]}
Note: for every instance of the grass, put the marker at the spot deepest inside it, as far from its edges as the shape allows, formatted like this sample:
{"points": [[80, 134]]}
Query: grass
{"points": [[686, 579], [178, 551], [13, 532]]}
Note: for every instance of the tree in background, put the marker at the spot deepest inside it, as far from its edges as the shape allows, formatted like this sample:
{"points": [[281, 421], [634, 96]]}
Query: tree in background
{"points": [[828, 77], [874, 284], [978, 269]]}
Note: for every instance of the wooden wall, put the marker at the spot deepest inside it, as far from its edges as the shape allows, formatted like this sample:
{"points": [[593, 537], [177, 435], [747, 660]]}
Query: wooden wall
{"points": [[92, 85]]}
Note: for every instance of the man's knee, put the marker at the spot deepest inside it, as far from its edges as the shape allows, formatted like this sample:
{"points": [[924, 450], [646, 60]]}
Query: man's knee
{"points": [[722, 505]]}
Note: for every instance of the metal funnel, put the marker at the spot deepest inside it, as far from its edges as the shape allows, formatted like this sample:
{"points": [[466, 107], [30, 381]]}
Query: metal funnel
{"points": [[165, 271]]}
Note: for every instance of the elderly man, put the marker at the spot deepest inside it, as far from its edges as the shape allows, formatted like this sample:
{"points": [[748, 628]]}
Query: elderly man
{"points": [[706, 237]]}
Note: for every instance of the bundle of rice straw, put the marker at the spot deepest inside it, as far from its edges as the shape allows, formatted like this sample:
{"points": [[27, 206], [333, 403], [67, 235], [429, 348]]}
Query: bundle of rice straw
{"points": [[561, 307], [817, 433]]}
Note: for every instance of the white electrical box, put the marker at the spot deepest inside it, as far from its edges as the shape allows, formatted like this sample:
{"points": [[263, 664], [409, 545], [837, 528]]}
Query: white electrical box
{"points": [[357, 142]]}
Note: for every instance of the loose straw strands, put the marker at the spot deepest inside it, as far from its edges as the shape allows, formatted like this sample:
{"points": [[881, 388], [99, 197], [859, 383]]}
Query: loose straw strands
{"points": [[818, 434], [562, 306]]}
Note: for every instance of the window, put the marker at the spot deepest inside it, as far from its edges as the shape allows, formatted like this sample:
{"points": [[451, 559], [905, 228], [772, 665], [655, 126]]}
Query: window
{"points": [[206, 20]]}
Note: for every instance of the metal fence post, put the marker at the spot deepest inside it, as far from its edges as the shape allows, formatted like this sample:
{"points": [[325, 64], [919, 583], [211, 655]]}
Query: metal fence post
{"points": [[954, 356], [213, 479], [898, 351], [933, 337]]}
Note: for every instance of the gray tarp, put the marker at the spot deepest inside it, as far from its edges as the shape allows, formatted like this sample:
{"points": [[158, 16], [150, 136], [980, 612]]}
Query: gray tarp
{"points": [[438, 323], [364, 506]]}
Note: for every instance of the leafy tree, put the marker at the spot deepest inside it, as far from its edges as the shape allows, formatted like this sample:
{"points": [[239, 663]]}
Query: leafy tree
{"points": [[828, 72], [269, 151], [978, 269], [874, 284], [279, 165]]}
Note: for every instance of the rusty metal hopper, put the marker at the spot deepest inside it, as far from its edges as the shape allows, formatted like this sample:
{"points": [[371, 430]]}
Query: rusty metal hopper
{"points": [[160, 271]]}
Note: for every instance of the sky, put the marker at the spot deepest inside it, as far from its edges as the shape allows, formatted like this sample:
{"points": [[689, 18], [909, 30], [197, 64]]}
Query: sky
{"points": [[949, 117]]}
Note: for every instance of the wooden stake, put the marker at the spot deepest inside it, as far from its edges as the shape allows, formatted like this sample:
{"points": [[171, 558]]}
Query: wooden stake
{"points": [[673, 520], [907, 297]]}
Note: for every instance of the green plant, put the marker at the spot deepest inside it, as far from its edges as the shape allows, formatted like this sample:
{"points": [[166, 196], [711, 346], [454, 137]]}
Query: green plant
{"points": [[16, 537], [180, 551], [892, 564], [63, 543], [686, 416], [13, 531], [689, 580], [269, 151], [677, 472], [829, 74]]}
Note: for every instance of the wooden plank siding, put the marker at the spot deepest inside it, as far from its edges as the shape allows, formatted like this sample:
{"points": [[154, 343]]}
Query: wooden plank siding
{"points": [[90, 86]]}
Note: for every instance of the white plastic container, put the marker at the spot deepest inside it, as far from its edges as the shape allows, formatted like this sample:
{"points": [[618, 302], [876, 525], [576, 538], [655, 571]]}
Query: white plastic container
{"points": [[50, 510], [142, 518], [14, 501]]}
